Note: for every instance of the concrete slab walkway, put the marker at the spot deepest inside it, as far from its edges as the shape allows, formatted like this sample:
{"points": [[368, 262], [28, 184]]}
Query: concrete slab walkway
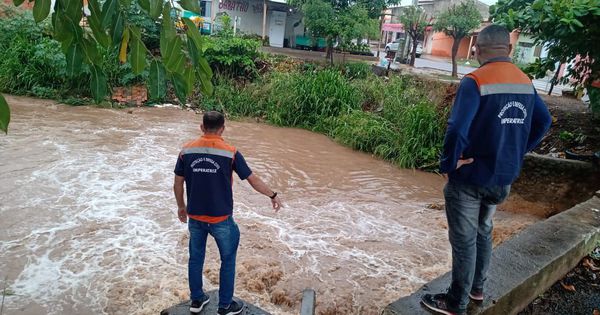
{"points": [[183, 308], [526, 265]]}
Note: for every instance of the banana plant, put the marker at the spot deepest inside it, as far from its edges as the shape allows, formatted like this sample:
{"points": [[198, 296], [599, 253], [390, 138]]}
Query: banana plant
{"points": [[181, 59], [4, 114]]}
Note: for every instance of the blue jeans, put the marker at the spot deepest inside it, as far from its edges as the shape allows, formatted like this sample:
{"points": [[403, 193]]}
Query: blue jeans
{"points": [[227, 237], [469, 210]]}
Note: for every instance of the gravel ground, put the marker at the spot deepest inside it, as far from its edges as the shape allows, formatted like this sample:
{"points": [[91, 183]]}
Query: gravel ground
{"points": [[577, 293]]}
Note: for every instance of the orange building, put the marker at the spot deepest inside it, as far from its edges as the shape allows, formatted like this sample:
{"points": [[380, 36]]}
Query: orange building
{"points": [[440, 45]]}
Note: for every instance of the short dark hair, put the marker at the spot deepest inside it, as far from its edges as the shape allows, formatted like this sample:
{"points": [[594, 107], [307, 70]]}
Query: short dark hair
{"points": [[493, 35], [213, 121]]}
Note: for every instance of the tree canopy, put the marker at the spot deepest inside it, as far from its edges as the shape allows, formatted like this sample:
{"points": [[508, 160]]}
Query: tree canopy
{"points": [[376, 7], [335, 20], [181, 57], [458, 21], [415, 21], [569, 29]]}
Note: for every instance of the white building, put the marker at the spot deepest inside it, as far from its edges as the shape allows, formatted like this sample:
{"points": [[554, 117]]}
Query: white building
{"points": [[267, 18]]}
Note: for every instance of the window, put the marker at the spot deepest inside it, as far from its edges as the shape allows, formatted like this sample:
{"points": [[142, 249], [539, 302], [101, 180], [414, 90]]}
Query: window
{"points": [[205, 8]]}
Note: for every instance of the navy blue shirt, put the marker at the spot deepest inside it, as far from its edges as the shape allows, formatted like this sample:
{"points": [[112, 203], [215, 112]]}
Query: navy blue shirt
{"points": [[207, 165], [497, 117]]}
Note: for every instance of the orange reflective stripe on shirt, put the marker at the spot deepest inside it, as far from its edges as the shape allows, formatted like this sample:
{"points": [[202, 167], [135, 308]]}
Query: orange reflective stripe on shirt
{"points": [[208, 219]]}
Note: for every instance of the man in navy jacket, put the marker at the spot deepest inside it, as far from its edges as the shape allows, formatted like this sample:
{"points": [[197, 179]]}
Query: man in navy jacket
{"points": [[497, 117]]}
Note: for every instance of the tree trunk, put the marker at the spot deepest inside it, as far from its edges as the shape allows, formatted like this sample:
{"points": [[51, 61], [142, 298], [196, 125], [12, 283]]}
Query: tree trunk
{"points": [[554, 79], [329, 55], [455, 46], [413, 54]]}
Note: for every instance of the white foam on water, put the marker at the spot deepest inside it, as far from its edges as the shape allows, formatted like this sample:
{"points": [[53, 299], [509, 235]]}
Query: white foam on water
{"points": [[96, 229], [114, 227]]}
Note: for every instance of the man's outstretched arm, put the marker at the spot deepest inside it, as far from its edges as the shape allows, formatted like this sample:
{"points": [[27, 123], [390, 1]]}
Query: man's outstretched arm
{"points": [[178, 190], [262, 188]]}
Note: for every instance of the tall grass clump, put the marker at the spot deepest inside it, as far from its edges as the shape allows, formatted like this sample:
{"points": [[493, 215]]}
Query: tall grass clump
{"points": [[236, 99], [307, 99], [364, 131], [356, 70], [420, 124]]}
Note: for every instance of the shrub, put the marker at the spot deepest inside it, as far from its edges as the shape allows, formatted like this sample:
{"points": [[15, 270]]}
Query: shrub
{"points": [[29, 59], [150, 30], [233, 56], [306, 99]]}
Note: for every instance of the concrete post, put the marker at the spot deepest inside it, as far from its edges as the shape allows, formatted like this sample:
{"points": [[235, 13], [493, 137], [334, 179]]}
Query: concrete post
{"points": [[470, 48], [309, 299], [264, 29]]}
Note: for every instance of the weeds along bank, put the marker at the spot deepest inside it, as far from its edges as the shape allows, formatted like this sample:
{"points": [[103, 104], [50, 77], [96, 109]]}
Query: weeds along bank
{"points": [[400, 119]]}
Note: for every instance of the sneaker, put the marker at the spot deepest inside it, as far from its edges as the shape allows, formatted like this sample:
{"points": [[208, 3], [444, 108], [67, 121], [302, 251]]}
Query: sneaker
{"points": [[439, 304], [198, 305], [234, 308], [476, 295]]}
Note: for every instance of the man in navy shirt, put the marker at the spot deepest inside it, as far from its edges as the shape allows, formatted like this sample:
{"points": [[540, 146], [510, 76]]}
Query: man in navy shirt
{"points": [[497, 117], [206, 165]]}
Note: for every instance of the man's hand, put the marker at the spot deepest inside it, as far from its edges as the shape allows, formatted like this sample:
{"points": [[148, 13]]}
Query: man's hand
{"points": [[182, 214], [462, 162], [276, 202]]}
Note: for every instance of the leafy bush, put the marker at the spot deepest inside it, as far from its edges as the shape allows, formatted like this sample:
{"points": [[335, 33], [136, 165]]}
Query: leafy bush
{"points": [[120, 74], [30, 61], [150, 31], [233, 56], [306, 99]]}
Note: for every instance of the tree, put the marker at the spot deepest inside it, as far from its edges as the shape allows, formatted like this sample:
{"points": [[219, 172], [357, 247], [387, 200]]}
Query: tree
{"points": [[415, 21], [458, 21], [376, 7], [568, 29], [334, 20], [181, 57], [320, 19]]}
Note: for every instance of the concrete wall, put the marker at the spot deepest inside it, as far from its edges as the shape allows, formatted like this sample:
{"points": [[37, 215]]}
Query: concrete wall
{"points": [[557, 183], [250, 14], [526, 265]]}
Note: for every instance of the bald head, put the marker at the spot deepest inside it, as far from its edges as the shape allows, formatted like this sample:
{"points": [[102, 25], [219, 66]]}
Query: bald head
{"points": [[492, 42], [213, 122]]}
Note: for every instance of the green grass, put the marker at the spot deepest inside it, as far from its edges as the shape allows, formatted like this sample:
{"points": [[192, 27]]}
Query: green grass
{"points": [[394, 119]]}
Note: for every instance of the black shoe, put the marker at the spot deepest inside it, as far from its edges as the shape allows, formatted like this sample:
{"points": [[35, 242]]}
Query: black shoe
{"points": [[234, 308], [439, 303], [198, 305], [476, 295]]}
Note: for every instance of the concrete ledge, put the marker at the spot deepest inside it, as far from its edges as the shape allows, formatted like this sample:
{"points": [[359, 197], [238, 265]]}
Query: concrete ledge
{"points": [[526, 265], [183, 308]]}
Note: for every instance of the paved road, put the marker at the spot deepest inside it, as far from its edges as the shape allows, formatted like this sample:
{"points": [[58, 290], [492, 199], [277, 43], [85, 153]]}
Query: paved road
{"points": [[540, 84]]}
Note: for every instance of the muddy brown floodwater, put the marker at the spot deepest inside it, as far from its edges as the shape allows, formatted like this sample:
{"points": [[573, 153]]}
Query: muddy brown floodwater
{"points": [[88, 224]]}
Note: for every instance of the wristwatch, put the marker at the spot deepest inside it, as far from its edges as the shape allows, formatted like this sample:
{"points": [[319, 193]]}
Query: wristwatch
{"points": [[274, 195]]}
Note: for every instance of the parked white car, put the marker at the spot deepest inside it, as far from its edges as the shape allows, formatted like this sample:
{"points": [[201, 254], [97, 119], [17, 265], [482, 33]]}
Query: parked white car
{"points": [[393, 46]]}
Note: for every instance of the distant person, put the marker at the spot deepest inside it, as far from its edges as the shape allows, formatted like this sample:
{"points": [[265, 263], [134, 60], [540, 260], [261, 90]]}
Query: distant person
{"points": [[206, 165], [497, 117]]}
